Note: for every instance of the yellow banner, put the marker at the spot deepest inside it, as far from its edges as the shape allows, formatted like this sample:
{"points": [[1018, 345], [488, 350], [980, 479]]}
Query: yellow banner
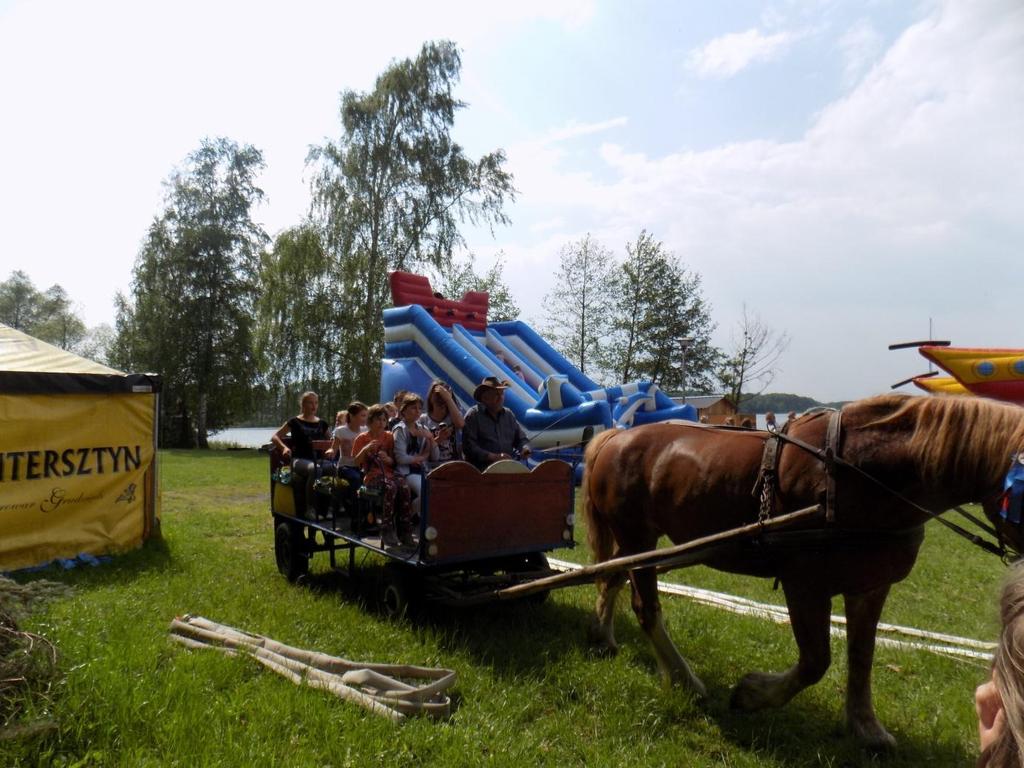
{"points": [[75, 475]]}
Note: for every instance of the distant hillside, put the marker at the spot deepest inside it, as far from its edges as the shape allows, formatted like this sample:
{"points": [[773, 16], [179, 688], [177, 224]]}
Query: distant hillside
{"points": [[782, 402]]}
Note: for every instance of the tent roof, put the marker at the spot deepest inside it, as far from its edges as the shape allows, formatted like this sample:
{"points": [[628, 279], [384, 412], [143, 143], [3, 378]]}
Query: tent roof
{"points": [[28, 365], [21, 352]]}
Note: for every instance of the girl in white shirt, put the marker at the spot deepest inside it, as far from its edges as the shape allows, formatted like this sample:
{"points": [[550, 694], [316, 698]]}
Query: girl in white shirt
{"points": [[414, 446]]}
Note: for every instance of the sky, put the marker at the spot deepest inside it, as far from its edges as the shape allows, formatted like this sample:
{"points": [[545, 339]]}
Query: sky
{"points": [[850, 172]]}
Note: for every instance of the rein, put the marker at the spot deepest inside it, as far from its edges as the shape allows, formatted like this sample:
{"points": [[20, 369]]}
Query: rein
{"points": [[830, 458]]}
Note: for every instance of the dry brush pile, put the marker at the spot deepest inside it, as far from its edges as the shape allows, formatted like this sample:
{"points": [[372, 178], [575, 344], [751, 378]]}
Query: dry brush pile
{"points": [[28, 661]]}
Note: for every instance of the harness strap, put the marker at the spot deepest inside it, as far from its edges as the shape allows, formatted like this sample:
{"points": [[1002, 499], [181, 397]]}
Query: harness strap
{"points": [[831, 454], [767, 478], [981, 524], [767, 475], [999, 551]]}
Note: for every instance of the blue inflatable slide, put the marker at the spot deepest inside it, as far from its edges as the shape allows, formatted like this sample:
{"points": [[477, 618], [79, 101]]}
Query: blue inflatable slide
{"points": [[428, 337]]}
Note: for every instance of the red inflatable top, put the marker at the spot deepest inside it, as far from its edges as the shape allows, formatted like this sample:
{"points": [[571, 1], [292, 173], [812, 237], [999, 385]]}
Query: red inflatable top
{"points": [[470, 312]]}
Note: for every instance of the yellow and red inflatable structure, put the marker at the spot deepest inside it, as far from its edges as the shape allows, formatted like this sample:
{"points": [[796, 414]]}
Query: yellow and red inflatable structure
{"points": [[987, 372]]}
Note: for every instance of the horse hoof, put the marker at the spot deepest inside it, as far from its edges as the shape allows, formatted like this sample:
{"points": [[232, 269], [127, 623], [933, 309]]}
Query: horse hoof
{"points": [[603, 650], [873, 736], [752, 692], [600, 643]]}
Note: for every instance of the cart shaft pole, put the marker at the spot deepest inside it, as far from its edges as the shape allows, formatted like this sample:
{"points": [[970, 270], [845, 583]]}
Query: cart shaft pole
{"points": [[688, 553]]}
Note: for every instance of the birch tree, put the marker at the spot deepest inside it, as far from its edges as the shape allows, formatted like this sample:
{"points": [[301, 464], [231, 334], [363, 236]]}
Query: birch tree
{"points": [[392, 191], [661, 325], [578, 308], [752, 362], [190, 313]]}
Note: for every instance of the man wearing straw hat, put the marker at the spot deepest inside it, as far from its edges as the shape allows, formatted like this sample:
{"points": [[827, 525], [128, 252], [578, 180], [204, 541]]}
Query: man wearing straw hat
{"points": [[491, 432]]}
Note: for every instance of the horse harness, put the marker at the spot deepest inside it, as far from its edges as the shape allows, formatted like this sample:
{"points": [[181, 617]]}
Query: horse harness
{"points": [[766, 484], [767, 481]]}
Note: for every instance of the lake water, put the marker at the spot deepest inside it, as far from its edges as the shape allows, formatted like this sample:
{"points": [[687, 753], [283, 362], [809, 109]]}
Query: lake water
{"points": [[247, 437], [254, 437]]}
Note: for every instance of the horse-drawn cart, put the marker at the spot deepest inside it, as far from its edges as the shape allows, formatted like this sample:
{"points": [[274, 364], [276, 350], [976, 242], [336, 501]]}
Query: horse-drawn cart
{"points": [[835, 505], [477, 532]]}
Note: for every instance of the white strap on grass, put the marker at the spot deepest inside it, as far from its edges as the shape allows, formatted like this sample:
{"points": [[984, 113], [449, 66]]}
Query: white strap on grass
{"points": [[934, 642], [384, 689]]}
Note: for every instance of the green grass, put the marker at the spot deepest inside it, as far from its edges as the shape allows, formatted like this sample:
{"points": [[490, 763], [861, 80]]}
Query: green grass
{"points": [[529, 692]]}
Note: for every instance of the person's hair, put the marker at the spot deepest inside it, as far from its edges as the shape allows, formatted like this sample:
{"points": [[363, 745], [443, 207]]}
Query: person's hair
{"points": [[375, 411], [399, 397], [435, 385], [1006, 751], [306, 395], [354, 409], [411, 398], [747, 423]]}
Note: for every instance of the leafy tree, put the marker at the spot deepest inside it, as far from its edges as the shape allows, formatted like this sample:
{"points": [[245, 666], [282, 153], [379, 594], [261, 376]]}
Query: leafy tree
{"points": [[578, 308], [453, 279], [19, 302], [47, 315], [58, 324], [753, 358], [96, 343], [661, 326], [391, 192], [194, 290], [305, 319]]}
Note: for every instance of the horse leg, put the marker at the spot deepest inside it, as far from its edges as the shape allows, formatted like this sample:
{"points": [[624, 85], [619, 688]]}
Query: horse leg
{"points": [[647, 606], [809, 612], [602, 626], [862, 614]]}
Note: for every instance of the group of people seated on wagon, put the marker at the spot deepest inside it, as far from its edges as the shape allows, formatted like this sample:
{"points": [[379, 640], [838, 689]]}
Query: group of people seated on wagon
{"points": [[386, 447]]}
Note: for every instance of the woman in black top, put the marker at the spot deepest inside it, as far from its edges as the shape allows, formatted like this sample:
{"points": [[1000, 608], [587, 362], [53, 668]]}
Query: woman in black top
{"points": [[304, 429]]}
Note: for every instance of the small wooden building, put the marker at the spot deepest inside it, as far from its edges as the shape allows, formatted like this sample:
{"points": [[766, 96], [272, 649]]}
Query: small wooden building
{"points": [[716, 409]]}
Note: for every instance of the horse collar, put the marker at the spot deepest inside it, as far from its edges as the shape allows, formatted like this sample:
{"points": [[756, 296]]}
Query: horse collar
{"points": [[766, 484], [831, 454]]}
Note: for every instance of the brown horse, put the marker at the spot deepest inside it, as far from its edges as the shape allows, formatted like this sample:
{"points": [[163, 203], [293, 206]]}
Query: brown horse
{"points": [[689, 481]]}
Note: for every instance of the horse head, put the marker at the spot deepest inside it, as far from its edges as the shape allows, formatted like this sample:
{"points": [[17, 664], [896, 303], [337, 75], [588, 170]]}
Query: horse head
{"points": [[963, 447]]}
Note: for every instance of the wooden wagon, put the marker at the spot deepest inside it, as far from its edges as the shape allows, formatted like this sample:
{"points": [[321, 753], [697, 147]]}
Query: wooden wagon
{"points": [[478, 532]]}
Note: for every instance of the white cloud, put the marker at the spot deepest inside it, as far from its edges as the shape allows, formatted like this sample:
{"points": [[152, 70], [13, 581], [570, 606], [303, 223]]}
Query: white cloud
{"points": [[575, 129], [102, 100], [903, 201], [729, 54], [554, 223], [861, 45]]}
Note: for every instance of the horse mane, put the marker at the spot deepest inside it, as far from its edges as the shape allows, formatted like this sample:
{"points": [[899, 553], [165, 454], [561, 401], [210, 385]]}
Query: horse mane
{"points": [[971, 437]]}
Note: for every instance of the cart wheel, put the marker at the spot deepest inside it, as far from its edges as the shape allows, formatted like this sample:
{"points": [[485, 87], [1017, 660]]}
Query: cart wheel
{"points": [[536, 561], [290, 551], [395, 593]]}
